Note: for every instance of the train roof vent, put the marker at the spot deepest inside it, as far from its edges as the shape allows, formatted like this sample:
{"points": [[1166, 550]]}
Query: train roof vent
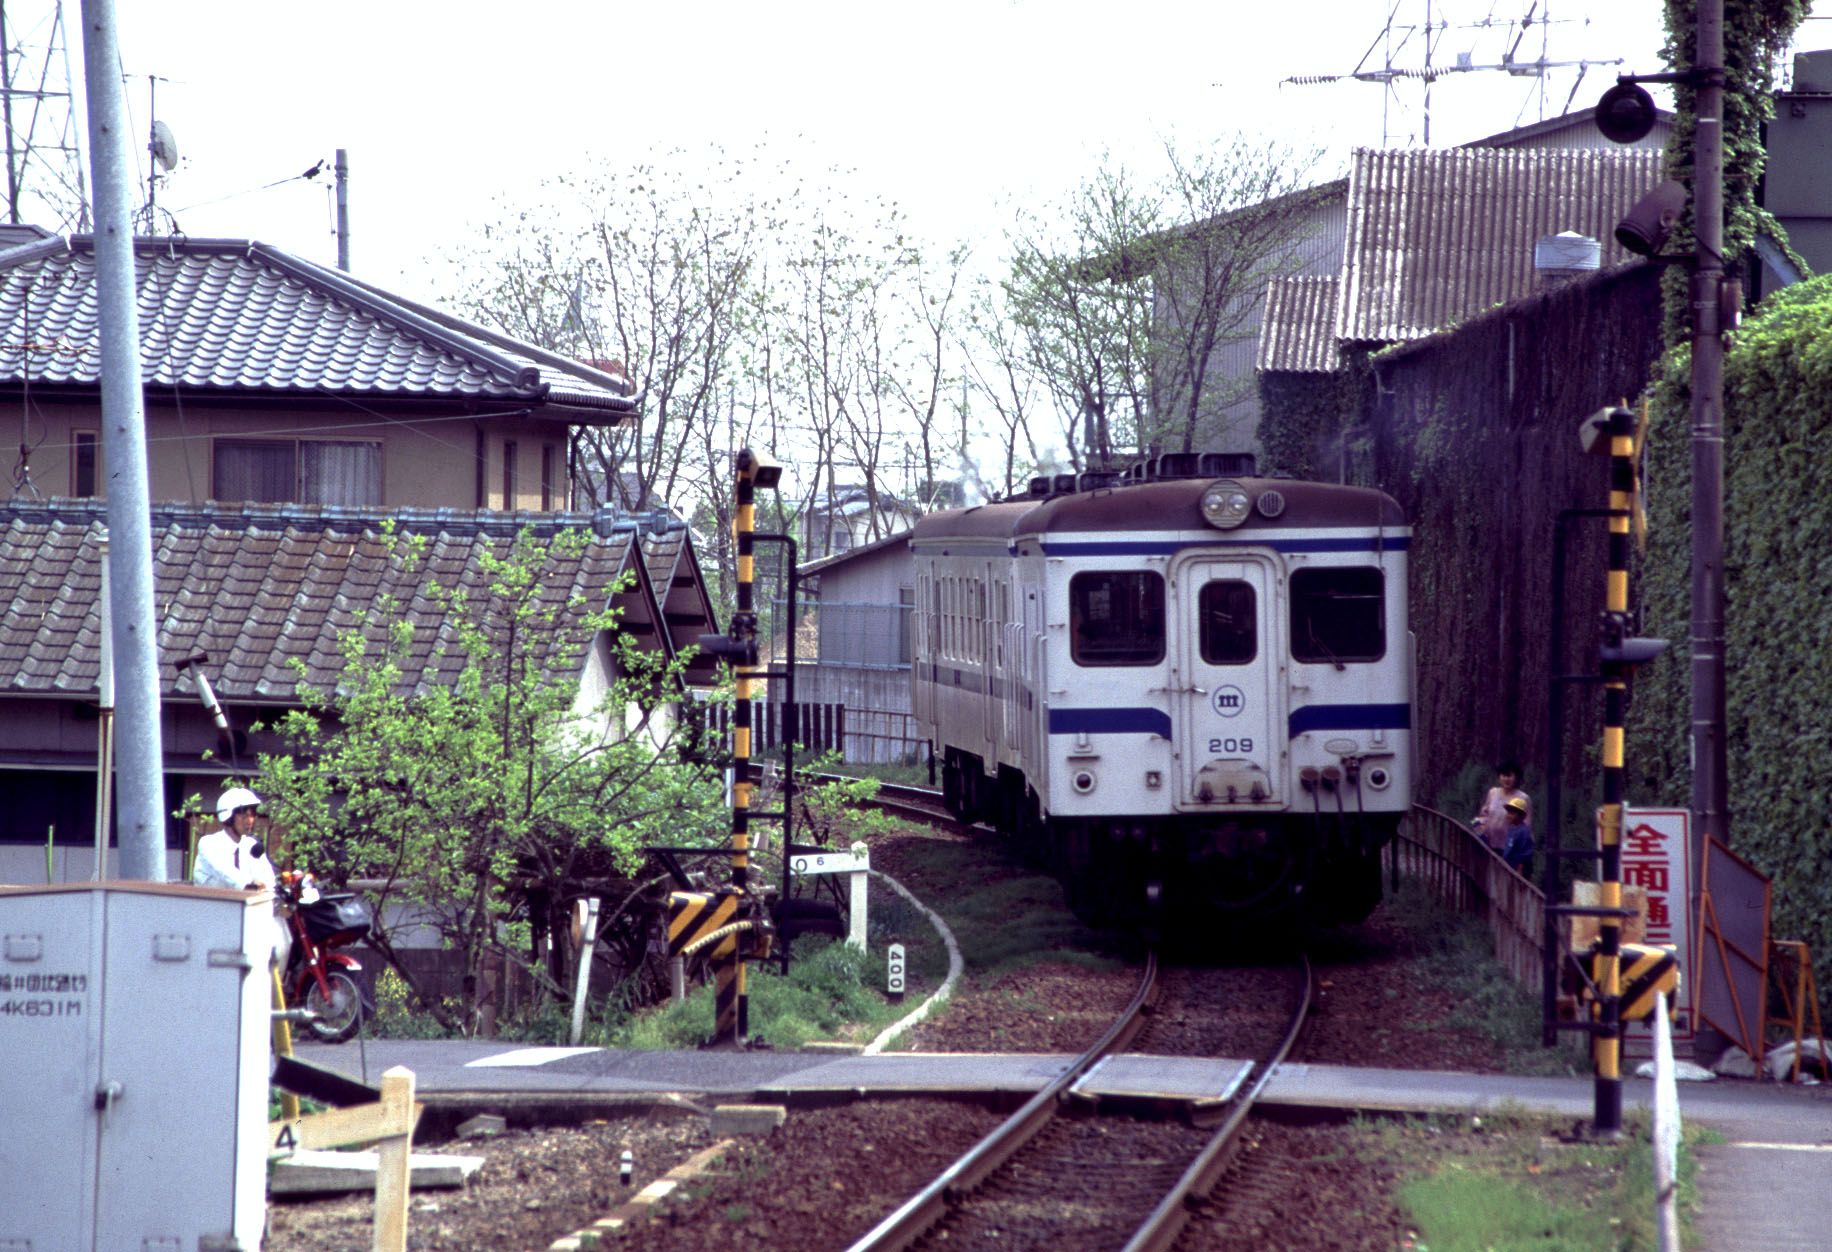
{"points": [[1040, 487], [1139, 471], [1063, 484], [1095, 480], [1230, 464], [1178, 465]]}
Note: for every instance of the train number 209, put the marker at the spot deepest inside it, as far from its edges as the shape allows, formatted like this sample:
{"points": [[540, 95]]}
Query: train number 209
{"points": [[1232, 747]]}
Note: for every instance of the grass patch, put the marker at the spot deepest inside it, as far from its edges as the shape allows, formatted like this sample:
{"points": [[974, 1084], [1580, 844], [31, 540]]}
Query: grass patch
{"points": [[1002, 921], [831, 991], [1455, 952], [1509, 1183]]}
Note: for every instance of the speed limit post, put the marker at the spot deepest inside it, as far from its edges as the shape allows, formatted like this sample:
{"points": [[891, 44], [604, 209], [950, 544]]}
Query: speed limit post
{"points": [[894, 976]]}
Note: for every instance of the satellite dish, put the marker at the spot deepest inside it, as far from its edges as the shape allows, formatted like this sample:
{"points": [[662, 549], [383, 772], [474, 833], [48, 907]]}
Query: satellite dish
{"points": [[164, 147]]}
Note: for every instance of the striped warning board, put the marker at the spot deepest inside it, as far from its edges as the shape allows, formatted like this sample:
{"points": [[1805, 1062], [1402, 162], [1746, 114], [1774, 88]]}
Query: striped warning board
{"points": [[692, 915], [1646, 969]]}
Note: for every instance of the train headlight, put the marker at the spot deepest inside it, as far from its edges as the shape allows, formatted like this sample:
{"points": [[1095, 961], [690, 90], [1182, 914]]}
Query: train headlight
{"points": [[1082, 781], [1378, 778], [1226, 504]]}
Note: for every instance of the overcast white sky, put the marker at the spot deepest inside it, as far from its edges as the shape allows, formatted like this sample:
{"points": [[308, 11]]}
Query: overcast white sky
{"points": [[953, 108]]}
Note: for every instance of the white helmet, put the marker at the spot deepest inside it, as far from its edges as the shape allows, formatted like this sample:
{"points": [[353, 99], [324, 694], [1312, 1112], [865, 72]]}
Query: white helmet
{"points": [[233, 799]]}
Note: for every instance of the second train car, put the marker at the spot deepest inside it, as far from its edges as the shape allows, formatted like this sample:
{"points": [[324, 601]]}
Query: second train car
{"points": [[1185, 689]]}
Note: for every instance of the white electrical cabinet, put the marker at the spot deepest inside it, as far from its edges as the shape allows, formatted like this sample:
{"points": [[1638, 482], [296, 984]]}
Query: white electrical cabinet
{"points": [[134, 1027]]}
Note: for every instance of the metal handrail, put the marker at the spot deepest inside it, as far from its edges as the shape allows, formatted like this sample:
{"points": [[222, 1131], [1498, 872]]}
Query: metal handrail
{"points": [[1449, 859]]}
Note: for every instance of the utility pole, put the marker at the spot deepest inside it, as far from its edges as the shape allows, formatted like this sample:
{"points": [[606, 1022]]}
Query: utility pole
{"points": [[1626, 114], [140, 750], [343, 211], [1710, 768]]}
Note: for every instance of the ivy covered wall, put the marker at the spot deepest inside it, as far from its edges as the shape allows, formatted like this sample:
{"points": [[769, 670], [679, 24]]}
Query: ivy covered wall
{"points": [[1475, 432], [1778, 615]]}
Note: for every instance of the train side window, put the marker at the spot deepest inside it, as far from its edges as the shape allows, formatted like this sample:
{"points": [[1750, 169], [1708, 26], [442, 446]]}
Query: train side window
{"points": [[1116, 618], [1338, 615], [1230, 622]]}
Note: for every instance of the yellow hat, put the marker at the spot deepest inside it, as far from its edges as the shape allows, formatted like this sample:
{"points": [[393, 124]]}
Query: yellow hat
{"points": [[1517, 803]]}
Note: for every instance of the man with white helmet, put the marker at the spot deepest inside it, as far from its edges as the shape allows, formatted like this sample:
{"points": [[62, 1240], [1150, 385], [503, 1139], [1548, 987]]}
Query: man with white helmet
{"points": [[232, 856]]}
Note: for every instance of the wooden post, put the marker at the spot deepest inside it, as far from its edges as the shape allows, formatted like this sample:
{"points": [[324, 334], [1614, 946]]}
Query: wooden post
{"points": [[283, 1042], [392, 1161], [582, 984]]}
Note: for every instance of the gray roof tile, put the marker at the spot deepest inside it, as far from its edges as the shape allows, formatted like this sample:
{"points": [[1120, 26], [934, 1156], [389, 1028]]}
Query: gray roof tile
{"points": [[230, 314], [257, 586]]}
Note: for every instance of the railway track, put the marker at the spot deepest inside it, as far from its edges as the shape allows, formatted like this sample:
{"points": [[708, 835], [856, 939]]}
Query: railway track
{"points": [[1046, 1177]]}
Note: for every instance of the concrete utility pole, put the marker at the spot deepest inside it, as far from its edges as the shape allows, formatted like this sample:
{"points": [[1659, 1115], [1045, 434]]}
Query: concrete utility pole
{"points": [[1710, 758], [343, 211], [140, 752]]}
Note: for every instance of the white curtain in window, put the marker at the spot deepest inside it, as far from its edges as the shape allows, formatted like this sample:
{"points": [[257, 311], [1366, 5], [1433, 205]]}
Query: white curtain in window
{"points": [[341, 473]]}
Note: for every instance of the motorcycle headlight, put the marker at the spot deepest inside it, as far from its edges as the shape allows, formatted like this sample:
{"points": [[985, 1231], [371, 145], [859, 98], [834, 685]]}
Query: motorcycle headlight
{"points": [[1226, 504]]}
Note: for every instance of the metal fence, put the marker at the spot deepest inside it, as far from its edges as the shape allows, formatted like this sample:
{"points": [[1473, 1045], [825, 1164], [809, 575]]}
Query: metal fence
{"points": [[869, 635], [1454, 864]]}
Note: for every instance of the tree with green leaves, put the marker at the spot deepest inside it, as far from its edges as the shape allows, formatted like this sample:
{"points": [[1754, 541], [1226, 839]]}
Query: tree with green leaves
{"points": [[1128, 291], [487, 786]]}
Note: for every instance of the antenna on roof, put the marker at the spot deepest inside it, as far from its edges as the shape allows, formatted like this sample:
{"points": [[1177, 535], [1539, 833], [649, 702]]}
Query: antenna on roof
{"points": [[163, 148], [44, 156], [1400, 42]]}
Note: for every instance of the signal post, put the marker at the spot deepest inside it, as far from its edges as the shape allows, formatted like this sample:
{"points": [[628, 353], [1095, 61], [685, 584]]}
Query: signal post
{"points": [[1600, 972], [734, 920]]}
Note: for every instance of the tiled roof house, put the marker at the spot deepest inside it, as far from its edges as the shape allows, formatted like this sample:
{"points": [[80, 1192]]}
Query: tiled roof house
{"points": [[291, 412]]}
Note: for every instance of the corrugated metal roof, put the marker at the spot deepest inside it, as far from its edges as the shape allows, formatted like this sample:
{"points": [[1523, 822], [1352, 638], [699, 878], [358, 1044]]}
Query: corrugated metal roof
{"points": [[258, 587], [1298, 334], [1437, 235], [242, 316]]}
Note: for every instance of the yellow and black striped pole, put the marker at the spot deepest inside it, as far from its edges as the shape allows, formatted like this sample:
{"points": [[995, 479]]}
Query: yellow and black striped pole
{"points": [[732, 1007], [1617, 663]]}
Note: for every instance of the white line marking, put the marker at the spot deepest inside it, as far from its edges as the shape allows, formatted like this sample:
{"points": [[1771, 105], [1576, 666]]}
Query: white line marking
{"points": [[1784, 1147], [528, 1057]]}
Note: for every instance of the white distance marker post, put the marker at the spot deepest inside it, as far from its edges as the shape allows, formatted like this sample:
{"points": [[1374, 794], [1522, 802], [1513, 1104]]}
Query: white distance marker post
{"points": [[856, 864], [893, 984]]}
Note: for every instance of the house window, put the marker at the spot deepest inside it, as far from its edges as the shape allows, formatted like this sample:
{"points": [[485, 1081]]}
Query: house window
{"points": [[262, 471], [85, 446], [340, 473], [548, 458], [508, 473], [282, 471]]}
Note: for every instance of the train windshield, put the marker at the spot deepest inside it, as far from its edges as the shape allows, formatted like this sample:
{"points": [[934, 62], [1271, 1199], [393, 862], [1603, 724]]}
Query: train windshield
{"points": [[1116, 617], [1338, 615], [1230, 623]]}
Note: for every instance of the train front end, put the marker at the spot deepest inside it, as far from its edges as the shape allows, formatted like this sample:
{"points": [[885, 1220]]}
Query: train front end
{"points": [[1228, 720]]}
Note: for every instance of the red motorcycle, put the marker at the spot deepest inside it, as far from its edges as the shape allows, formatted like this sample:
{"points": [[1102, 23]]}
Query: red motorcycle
{"points": [[318, 977]]}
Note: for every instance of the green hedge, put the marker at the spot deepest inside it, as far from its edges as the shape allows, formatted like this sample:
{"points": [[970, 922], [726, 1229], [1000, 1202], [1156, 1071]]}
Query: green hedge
{"points": [[1778, 618]]}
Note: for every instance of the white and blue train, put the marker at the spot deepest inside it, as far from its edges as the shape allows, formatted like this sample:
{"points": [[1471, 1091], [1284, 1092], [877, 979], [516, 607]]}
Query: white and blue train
{"points": [[1183, 689]]}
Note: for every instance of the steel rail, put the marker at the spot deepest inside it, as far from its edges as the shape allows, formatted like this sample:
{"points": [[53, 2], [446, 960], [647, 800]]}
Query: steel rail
{"points": [[1159, 1231], [921, 1211]]}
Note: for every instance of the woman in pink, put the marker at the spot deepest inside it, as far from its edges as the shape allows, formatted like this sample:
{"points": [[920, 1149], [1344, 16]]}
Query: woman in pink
{"points": [[1491, 821]]}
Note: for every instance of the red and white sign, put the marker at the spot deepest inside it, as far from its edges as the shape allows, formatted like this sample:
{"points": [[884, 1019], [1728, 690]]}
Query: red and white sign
{"points": [[1657, 857]]}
